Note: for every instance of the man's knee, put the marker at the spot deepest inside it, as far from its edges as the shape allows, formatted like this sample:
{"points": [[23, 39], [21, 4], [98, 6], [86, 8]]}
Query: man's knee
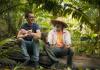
{"points": [[70, 51], [20, 41]]}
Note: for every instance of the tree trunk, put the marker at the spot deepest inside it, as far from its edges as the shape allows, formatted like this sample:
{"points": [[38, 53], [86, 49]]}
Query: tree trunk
{"points": [[10, 23]]}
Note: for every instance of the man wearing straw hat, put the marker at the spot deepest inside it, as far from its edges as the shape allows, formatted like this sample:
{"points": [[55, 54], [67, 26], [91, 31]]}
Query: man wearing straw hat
{"points": [[59, 40]]}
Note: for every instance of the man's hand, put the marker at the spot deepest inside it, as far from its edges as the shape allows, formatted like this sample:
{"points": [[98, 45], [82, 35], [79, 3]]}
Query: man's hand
{"points": [[29, 32], [67, 46], [25, 35], [52, 45], [36, 35]]}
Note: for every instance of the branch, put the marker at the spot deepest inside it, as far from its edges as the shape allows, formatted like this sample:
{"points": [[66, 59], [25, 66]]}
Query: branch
{"points": [[9, 8]]}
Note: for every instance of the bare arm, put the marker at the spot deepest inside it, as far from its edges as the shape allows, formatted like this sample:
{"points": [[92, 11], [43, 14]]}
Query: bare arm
{"points": [[36, 35], [21, 35]]}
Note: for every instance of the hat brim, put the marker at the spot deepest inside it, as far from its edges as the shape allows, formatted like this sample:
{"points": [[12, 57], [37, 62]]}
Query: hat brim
{"points": [[54, 22]]}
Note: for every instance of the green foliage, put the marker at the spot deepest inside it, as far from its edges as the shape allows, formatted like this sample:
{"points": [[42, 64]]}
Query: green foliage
{"points": [[95, 2], [82, 15], [5, 41], [8, 5]]}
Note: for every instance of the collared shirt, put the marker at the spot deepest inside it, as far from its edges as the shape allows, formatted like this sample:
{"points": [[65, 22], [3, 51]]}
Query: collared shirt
{"points": [[52, 37]]}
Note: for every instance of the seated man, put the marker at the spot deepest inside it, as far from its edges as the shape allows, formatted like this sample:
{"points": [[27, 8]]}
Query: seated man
{"points": [[29, 35], [59, 40]]}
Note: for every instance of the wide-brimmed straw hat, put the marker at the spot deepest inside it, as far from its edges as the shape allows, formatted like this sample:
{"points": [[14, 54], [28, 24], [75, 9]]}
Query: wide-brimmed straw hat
{"points": [[60, 20]]}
